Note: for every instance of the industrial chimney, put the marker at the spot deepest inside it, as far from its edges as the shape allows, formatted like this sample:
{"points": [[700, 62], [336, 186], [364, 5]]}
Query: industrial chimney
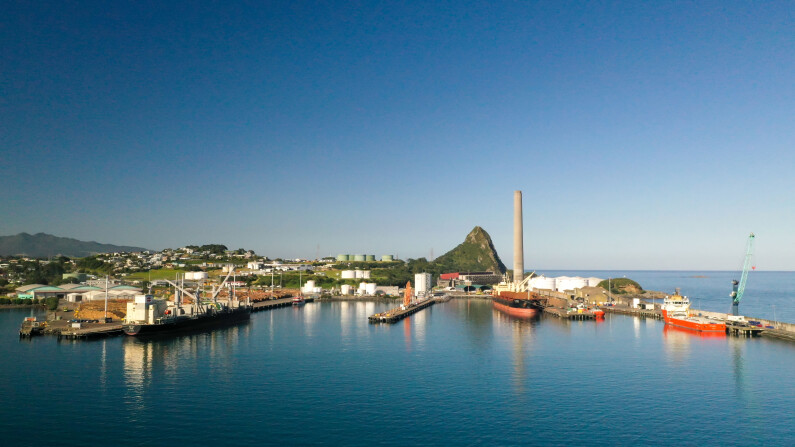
{"points": [[518, 238]]}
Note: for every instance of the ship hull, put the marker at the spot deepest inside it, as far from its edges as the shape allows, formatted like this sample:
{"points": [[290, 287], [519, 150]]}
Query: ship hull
{"points": [[212, 321], [516, 304], [695, 325]]}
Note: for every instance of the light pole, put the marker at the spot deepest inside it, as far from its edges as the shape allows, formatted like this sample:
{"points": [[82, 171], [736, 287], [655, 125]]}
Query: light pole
{"points": [[609, 295]]}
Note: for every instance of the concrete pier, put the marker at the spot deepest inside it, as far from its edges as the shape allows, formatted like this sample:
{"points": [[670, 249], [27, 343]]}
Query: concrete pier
{"points": [[397, 314]]}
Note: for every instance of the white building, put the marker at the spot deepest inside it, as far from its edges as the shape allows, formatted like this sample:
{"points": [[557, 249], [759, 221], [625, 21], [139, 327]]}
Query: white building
{"points": [[422, 284]]}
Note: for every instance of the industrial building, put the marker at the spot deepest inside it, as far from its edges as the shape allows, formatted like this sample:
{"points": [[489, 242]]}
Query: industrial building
{"points": [[76, 293], [422, 284], [363, 258], [467, 278]]}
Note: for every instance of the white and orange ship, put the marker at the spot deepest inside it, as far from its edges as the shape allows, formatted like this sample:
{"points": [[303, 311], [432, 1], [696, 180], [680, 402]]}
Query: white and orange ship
{"points": [[676, 312]]}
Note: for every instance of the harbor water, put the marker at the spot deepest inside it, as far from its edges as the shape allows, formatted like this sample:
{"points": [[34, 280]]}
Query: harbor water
{"points": [[457, 373]]}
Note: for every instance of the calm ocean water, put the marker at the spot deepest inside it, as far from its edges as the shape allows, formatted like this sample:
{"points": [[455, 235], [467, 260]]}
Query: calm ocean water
{"points": [[458, 373]]}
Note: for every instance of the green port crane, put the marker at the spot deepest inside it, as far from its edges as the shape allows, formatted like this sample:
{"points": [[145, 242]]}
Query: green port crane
{"points": [[738, 287]]}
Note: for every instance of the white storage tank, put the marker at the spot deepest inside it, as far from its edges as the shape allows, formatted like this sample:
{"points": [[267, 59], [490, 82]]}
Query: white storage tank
{"points": [[369, 288], [309, 286], [358, 273], [579, 283], [563, 283], [348, 274], [542, 282], [346, 289], [196, 276], [366, 274]]}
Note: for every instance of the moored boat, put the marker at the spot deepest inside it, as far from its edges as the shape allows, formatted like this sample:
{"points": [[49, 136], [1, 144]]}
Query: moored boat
{"points": [[176, 321], [676, 312], [148, 316], [523, 307], [516, 299], [299, 301]]}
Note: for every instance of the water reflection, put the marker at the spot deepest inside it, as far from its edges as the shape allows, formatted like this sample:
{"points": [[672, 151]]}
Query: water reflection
{"points": [[522, 332], [407, 334], [103, 366], [137, 371], [310, 315]]}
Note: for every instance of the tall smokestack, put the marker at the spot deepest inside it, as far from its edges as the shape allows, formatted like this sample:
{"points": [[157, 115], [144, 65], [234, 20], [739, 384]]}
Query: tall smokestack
{"points": [[518, 239]]}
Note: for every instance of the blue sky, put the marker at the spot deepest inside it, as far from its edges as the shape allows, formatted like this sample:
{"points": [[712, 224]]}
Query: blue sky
{"points": [[644, 136]]}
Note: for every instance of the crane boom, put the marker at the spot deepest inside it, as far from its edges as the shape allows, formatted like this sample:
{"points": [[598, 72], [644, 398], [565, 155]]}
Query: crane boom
{"points": [[738, 287]]}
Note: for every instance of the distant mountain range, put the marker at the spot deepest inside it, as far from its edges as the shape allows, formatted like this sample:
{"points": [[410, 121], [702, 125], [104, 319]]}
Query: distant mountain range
{"points": [[42, 245]]}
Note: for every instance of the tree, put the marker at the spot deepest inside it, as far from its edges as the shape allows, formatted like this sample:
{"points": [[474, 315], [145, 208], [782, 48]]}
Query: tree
{"points": [[51, 302]]}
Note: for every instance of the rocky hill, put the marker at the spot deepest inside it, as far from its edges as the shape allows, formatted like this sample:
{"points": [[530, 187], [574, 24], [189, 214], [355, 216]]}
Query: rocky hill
{"points": [[42, 245], [475, 254]]}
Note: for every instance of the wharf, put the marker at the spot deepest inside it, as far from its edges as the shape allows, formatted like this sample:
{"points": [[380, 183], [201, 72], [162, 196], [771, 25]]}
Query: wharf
{"points": [[742, 329], [397, 314], [94, 331], [626, 310], [570, 315], [30, 328], [259, 306]]}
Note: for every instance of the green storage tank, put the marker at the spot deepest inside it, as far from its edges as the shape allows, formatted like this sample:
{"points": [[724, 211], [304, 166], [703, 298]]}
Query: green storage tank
{"points": [[387, 258], [343, 257], [359, 258], [369, 258]]}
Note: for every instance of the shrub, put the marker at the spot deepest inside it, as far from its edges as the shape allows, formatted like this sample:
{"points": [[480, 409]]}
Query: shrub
{"points": [[20, 301], [52, 302], [5, 301]]}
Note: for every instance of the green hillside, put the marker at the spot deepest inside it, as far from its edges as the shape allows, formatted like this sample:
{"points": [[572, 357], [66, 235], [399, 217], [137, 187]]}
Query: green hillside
{"points": [[476, 253], [42, 245]]}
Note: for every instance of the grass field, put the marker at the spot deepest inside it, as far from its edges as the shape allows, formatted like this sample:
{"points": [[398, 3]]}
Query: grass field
{"points": [[154, 274]]}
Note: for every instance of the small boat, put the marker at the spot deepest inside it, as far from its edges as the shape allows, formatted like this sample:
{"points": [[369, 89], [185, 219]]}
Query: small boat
{"points": [[299, 301], [598, 313]]}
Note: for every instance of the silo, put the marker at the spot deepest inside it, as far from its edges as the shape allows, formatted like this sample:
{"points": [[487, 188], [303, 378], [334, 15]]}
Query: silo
{"points": [[387, 258], [359, 258], [346, 289], [369, 258], [365, 274], [369, 288], [343, 257], [348, 274]]}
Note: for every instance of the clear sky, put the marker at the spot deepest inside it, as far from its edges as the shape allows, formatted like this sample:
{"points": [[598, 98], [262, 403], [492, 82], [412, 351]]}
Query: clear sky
{"points": [[645, 135]]}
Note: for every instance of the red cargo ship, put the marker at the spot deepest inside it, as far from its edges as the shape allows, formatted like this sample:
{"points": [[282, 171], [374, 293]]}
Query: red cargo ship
{"points": [[517, 304], [676, 312]]}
